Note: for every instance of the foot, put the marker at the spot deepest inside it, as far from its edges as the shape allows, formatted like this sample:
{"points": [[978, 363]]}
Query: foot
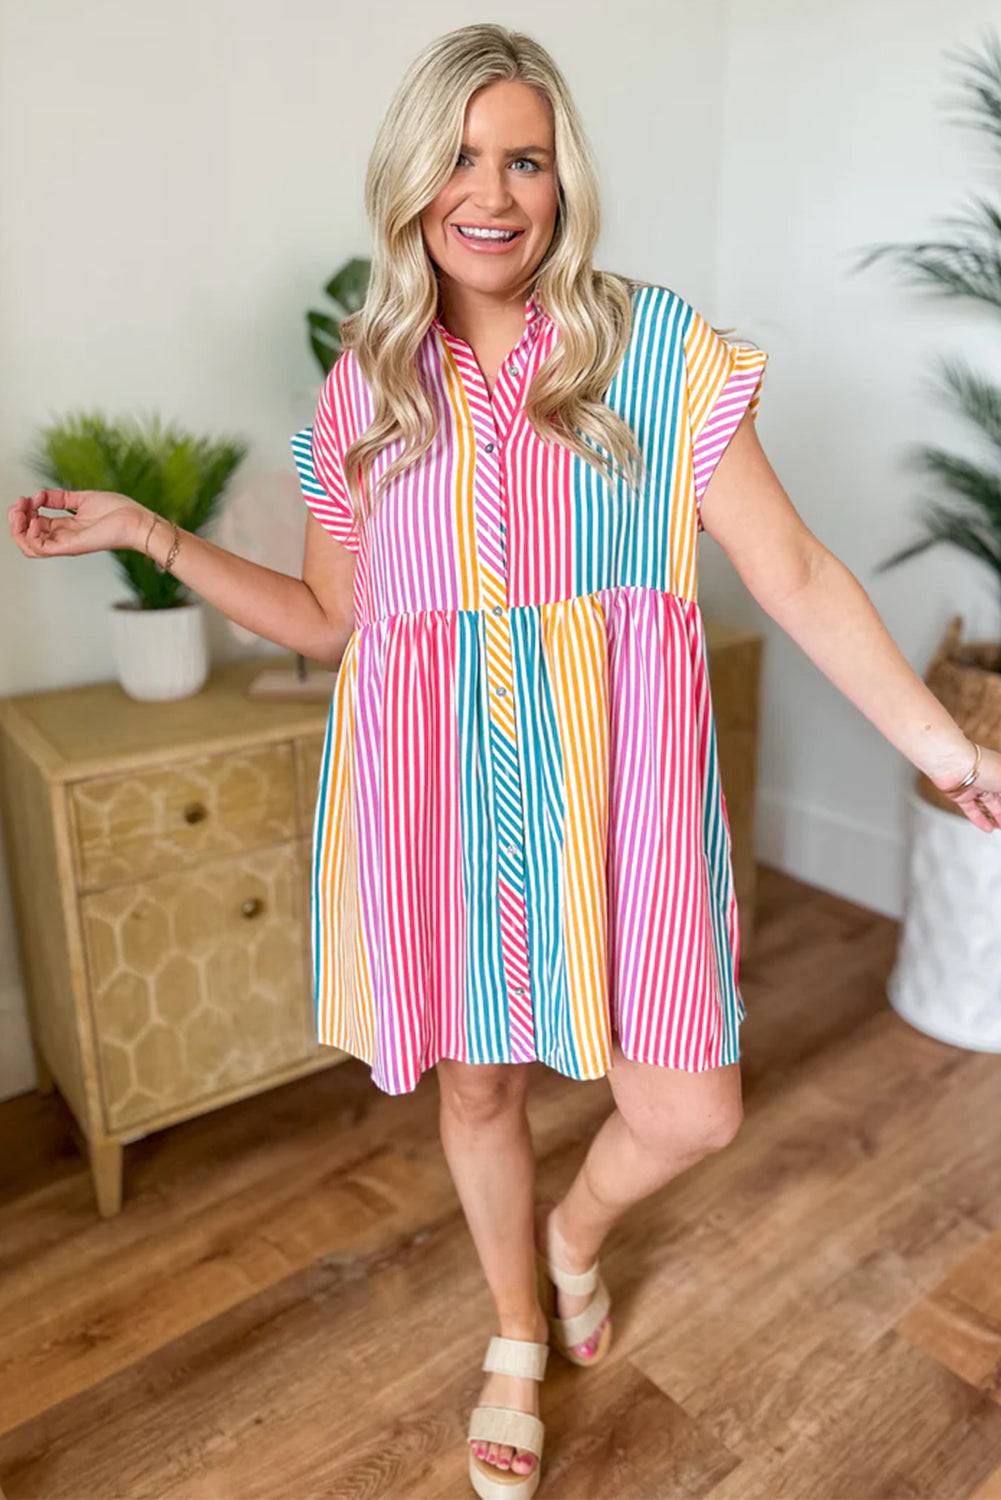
{"points": [[518, 1391], [561, 1252]]}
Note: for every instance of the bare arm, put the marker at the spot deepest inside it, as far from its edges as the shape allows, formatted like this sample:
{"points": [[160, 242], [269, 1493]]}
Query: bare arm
{"points": [[821, 605], [311, 614]]}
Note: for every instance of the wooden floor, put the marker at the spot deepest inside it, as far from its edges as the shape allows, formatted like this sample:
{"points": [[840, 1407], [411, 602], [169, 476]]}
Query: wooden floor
{"points": [[289, 1305]]}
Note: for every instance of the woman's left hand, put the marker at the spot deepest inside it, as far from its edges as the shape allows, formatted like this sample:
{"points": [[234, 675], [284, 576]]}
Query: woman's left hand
{"points": [[981, 802]]}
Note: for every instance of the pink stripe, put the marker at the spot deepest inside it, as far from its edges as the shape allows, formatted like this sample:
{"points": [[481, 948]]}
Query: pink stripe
{"points": [[721, 424]]}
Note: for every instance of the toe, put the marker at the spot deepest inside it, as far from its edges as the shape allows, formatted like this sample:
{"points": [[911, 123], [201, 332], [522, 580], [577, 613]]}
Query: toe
{"points": [[491, 1453], [523, 1463], [504, 1453], [590, 1346]]}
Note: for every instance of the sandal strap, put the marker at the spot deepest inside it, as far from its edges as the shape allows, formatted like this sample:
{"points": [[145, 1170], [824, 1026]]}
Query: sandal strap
{"points": [[576, 1329], [579, 1282], [503, 1424], [516, 1357]]}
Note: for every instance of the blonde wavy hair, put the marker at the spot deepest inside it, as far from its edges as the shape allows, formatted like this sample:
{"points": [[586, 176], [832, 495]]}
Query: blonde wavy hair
{"points": [[414, 155]]}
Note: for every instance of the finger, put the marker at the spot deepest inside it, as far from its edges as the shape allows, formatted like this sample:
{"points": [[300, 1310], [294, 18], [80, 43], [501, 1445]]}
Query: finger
{"points": [[977, 815], [62, 499], [990, 802], [55, 499], [21, 512], [58, 539]]}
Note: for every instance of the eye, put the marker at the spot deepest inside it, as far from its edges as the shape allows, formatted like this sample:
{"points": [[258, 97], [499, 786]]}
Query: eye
{"points": [[527, 159]]}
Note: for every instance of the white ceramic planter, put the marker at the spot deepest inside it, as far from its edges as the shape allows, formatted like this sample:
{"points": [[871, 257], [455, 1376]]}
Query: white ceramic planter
{"points": [[160, 653], [946, 980]]}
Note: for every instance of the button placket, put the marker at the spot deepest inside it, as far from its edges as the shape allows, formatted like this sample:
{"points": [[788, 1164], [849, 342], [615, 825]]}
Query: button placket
{"points": [[508, 814], [493, 415]]}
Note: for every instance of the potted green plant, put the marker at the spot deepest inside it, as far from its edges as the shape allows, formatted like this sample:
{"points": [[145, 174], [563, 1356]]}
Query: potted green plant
{"points": [[346, 289], [158, 630]]}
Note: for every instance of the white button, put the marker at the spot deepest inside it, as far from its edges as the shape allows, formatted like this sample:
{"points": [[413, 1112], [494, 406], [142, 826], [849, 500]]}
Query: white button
{"points": [[498, 609], [519, 989], [500, 691], [514, 369], [489, 447]]}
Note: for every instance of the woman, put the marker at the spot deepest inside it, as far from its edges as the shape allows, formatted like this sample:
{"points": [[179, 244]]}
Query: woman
{"points": [[521, 846]]}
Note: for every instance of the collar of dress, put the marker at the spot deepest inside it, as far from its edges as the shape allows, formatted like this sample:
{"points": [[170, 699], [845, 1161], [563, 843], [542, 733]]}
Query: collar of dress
{"points": [[535, 317]]}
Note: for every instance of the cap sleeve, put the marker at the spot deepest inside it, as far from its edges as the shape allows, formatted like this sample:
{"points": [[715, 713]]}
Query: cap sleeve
{"points": [[317, 453], [724, 381]]}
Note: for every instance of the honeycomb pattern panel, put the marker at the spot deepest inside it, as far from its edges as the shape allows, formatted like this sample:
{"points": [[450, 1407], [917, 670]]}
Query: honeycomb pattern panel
{"points": [[139, 823], [199, 981], [308, 760]]}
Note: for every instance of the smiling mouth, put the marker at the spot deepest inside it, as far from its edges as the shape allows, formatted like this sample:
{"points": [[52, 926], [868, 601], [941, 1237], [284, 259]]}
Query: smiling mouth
{"points": [[475, 232]]}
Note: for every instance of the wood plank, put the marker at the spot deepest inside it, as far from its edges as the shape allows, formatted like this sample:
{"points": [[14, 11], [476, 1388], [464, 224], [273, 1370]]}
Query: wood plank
{"points": [[290, 1303]]}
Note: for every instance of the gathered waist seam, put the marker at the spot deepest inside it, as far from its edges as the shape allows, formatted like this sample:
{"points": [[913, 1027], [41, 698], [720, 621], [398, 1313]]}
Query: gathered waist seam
{"points": [[447, 611]]}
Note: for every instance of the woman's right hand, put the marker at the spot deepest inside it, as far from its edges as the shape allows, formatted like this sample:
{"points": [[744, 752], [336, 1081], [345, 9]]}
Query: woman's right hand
{"points": [[100, 520]]}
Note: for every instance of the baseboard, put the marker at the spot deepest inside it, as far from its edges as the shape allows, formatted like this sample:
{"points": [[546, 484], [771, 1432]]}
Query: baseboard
{"points": [[833, 852]]}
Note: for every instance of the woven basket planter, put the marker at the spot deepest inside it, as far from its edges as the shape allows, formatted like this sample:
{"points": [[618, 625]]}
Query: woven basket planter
{"points": [[946, 979], [966, 679]]}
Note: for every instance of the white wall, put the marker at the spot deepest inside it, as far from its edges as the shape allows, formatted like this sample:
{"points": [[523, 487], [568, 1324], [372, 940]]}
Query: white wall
{"points": [[178, 181], [834, 138]]}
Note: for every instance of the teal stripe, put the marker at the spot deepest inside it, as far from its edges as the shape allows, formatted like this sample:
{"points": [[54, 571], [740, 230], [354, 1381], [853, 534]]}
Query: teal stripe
{"points": [[319, 819], [486, 1000], [622, 534], [721, 886], [302, 453], [544, 805]]}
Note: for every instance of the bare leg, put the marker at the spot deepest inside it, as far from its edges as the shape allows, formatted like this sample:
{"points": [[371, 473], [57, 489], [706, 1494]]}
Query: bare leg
{"points": [[665, 1120], [488, 1146]]}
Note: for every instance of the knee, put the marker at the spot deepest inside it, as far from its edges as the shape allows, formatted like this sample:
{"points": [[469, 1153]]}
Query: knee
{"points": [[720, 1131], [480, 1094], [691, 1137]]}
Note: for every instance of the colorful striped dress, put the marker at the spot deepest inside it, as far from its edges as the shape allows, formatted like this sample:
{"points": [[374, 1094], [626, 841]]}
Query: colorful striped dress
{"points": [[521, 847]]}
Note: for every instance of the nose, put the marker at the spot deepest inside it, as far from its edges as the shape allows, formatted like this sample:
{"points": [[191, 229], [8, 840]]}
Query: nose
{"points": [[491, 191]]}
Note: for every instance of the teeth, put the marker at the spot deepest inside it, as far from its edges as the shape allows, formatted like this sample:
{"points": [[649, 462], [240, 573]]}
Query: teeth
{"points": [[486, 234]]}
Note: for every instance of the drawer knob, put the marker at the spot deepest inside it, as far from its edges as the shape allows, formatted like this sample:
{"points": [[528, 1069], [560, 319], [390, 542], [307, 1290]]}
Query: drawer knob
{"points": [[252, 906], [195, 812]]}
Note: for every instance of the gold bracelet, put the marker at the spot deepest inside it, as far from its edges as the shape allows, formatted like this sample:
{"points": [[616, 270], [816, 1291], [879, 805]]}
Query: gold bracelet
{"points": [[970, 776], [174, 547]]}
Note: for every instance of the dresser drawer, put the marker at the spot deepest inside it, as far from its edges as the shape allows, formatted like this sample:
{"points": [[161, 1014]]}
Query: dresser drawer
{"points": [[130, 826], [198, 982]]}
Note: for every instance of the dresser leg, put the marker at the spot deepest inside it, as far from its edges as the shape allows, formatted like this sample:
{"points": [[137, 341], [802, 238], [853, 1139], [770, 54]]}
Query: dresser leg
{"points": [[44, 1081], [106, 1174]]}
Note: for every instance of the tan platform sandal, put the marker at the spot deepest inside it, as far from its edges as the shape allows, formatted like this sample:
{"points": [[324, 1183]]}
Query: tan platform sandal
{"points": [[505, 1424], [566, 1332]]}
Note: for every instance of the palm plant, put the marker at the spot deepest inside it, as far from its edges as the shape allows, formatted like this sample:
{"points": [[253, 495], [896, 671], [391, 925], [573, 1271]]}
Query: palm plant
{"points": [[179, 476], [346, 289], [966, 263]]}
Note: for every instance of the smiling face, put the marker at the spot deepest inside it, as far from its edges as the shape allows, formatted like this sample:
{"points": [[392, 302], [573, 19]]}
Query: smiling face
{"points": [[504, 179]]}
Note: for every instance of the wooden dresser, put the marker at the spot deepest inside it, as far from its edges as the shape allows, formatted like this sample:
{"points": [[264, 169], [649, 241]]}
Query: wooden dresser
{"points": [[159, 858], [735, 672]]}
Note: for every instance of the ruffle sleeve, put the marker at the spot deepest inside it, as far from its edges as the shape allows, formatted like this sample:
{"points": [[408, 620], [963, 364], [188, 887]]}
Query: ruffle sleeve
{"points": [[723, 382], [317, 451]]}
